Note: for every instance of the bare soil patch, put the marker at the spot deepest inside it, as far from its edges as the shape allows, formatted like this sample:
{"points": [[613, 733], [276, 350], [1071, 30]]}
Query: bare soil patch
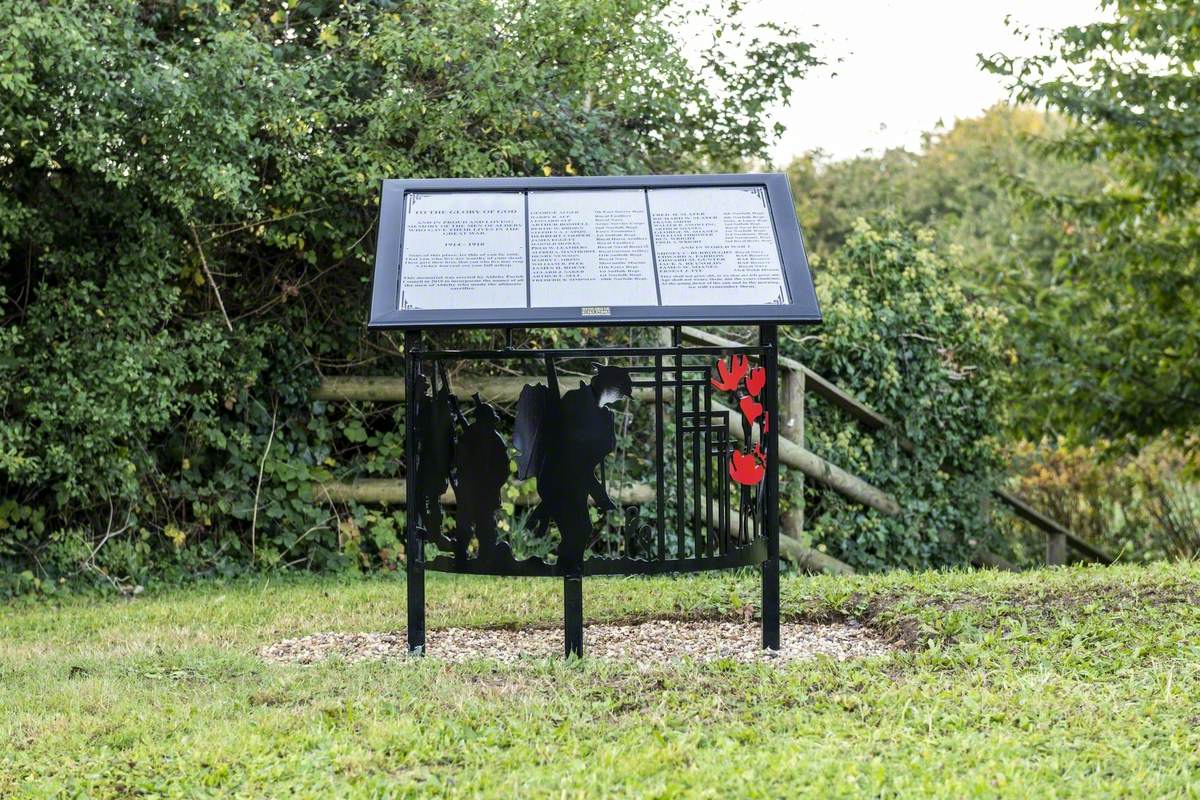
{"points": [[654, 642]]}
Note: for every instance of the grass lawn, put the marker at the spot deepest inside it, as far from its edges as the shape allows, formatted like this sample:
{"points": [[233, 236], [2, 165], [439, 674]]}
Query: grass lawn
{"points": [[1068, 683]]}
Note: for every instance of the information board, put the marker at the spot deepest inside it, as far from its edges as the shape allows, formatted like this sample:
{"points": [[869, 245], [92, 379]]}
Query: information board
{"points": [[566, 251]]}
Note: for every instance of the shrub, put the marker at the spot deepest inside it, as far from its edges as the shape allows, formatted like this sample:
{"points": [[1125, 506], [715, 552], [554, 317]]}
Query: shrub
{"points": [[903, 336], [187, 199], [1141, 505]]}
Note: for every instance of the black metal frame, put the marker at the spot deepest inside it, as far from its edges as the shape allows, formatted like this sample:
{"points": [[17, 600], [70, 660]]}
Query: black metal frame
{"points": [[385, 307], [701, 462], [564, 440]]}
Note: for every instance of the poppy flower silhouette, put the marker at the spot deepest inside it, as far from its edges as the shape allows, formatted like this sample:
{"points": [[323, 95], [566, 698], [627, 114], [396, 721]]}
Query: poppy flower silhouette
{"points": [[751, 409], [745, 468], [756, 381], [731, 375]]}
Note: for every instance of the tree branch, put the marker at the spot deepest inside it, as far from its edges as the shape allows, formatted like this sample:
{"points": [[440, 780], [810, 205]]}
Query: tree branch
{"points": [[208, 273]]}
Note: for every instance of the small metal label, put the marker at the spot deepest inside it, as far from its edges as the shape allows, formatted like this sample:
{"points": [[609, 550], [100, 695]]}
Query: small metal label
{"points": [[595, 311]]}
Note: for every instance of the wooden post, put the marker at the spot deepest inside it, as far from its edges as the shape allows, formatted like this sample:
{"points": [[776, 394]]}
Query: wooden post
{"points": [[1050, 527], [792, 428], [1056, 549]]}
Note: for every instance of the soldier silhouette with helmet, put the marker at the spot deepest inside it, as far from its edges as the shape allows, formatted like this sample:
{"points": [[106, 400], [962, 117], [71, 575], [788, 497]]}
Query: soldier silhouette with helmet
{"points": [[481, 462], [434, 453], [562, 441]]}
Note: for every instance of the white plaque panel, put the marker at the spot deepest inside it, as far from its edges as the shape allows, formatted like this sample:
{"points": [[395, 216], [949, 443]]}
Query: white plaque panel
{"points": [[590, 248], [716, 246], [463, 250]]}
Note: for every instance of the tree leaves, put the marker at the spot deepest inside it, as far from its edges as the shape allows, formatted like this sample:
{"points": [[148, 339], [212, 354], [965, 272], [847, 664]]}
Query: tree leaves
{"points": [[900, 334], [136, 136], [1131, 354]]}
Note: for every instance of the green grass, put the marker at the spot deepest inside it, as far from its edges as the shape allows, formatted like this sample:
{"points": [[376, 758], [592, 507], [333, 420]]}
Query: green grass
{"points": [[1070, 683]]}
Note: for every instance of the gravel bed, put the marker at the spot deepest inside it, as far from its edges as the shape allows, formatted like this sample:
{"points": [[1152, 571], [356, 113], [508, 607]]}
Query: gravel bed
{"points": [[653, 642]]}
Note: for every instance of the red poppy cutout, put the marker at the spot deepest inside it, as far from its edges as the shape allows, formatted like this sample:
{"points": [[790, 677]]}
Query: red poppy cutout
{"points": [[731, 376], [745, 468], [766, 426], [751, 409], [756, 381]]}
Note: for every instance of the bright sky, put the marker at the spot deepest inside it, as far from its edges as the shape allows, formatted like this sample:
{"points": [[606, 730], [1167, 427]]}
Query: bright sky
{"points": [[905, 64]]}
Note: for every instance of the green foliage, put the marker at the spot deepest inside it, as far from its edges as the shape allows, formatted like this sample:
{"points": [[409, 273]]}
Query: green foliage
{"points": [[903, 336], [968, 184], [958, 183], [1143, 506], [187, 199], [997, 191], [1130, 360]]}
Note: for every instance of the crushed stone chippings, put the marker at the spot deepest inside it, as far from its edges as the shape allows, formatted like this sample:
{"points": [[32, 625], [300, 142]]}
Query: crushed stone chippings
{"points": [[656, 642]]}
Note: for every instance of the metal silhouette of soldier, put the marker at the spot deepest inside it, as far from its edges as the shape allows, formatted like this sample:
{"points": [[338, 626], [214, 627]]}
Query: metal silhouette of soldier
{"points": [[435, 454], [561, 441], [481, 462]]}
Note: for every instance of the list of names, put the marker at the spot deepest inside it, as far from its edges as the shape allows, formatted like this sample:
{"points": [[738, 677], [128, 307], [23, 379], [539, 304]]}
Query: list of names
{"points": [[590, 248]]}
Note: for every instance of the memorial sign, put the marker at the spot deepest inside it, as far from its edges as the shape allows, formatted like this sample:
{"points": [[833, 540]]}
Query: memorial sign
{"points": [[569, 251], [585, 251]]}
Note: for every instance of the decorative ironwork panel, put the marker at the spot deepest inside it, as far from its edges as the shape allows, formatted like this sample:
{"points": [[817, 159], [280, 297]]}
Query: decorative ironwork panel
{"points": [[693, 499]]}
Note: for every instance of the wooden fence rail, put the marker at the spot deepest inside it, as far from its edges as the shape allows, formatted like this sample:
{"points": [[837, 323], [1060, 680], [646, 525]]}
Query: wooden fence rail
{"points": [[393, 491], [1058, 537], [503, 389], [861, 413]]}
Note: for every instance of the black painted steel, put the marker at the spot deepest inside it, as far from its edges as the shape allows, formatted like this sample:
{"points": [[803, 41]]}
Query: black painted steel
{"points": [[680, 483], [573, 617], [660, 478], [769, 337], [586, 352], [562, 432], [709, 534], [414, 547], [713, 499]]}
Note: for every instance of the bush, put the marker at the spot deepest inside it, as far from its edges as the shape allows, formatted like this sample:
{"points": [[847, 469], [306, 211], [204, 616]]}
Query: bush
{"points": [[903, 336], [187, 200], [1142, 506]]}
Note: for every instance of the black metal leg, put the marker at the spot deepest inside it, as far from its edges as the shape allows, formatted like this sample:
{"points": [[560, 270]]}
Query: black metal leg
{"points": [[677, 405], [416, 605], [769, 337], [770, 603], [414, 550], [573, 617]]}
